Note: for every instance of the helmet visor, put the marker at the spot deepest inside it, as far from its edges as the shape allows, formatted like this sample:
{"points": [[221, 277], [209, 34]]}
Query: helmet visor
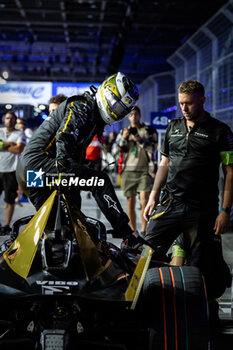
{"points": [[131, 88], [116, 105]]}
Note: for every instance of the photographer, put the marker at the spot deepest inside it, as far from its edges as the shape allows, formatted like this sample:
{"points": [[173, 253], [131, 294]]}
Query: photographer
{"points": [[138, 142]]}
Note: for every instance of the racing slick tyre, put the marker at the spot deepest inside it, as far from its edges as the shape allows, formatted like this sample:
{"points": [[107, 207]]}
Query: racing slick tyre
{"points": [[176, 309]]}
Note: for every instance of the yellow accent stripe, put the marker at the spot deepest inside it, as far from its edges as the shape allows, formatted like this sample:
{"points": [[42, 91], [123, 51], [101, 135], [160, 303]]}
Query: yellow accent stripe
{"points": [[50, 144], [164, 154], [68, 119], [136, 282], [157, 215]]}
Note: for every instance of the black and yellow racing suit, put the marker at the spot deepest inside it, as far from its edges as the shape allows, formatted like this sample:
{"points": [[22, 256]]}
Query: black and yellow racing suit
{"points": [[59, 145]]}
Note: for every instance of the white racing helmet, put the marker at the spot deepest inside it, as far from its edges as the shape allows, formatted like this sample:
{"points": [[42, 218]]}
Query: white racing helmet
{"points": [[115, 97]]}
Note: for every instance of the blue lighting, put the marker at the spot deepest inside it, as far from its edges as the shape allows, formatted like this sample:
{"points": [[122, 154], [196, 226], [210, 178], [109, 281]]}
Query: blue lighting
{"points": [[224, 90], [44, 116], [170, 109]]}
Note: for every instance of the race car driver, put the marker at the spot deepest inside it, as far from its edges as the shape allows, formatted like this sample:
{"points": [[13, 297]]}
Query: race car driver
{"points": [[60, 142]]}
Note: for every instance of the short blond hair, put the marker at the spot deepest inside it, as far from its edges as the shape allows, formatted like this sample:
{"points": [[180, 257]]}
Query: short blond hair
{"points": [[191, 87]]}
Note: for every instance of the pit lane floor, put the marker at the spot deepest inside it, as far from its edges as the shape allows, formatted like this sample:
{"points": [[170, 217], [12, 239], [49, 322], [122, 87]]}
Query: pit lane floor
{"points": [[223, 335]]}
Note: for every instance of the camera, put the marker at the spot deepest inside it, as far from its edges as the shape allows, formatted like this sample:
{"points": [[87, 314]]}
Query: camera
{"points": [[133, 131]]}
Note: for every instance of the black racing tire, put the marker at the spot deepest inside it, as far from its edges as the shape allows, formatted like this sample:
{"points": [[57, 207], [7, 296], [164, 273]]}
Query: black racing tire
{"points": [[175, 308]]}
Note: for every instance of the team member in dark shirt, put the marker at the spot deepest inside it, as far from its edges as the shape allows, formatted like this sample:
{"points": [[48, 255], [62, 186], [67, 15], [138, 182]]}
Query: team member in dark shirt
{"points": [[194, 147], [59, 145]]}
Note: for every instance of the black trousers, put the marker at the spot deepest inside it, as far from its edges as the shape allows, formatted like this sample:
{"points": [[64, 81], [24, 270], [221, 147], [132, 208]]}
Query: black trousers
{"points": [[105, 195], [9, 185], [193, 229]]}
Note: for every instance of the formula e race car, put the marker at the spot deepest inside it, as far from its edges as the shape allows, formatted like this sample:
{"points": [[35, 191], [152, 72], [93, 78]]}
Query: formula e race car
{"points": [[64, 286]]}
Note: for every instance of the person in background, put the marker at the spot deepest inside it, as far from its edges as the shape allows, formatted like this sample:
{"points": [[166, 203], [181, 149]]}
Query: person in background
{"points": [[55, 101], [12, 143], [110, 140], [138, 143], [195, 145], [59, 144], [109, 161], [21, 124], [93, 155]]}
